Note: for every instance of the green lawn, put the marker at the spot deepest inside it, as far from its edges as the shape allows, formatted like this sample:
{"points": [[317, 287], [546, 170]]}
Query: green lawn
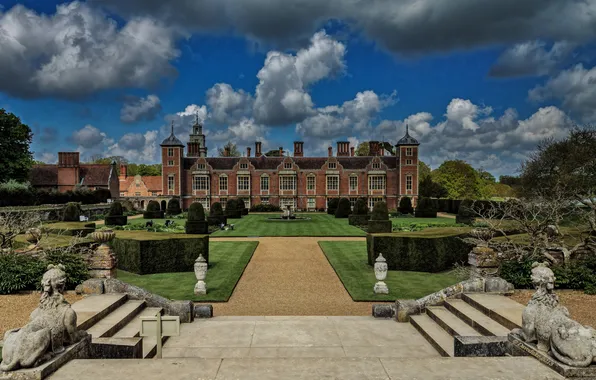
{"points": [[318, 225], [227, 261], [349, 259]]}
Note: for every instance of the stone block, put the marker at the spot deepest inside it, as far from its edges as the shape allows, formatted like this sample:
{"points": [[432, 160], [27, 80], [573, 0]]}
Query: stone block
{"points": [[405, 308], [117, 348], [497, 285], [183, 309], [203, 311], [383, 311], [481, 346], [91, 286]]}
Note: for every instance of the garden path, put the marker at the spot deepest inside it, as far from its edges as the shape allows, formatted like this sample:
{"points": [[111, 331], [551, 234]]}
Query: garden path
{"points": [[290, 276]]}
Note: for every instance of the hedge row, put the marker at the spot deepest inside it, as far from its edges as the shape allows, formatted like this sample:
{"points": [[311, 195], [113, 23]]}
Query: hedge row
{"points": [[144, 255], [33, 197], [421, 254]]}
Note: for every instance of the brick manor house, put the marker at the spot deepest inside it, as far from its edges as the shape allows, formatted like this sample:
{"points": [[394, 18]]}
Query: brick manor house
{"points": [[304, 183]]}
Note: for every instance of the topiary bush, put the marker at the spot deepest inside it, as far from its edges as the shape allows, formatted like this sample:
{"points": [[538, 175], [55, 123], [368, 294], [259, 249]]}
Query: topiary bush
{"points": [[196, 223], [332, 205], [359, 216], [116, 215], [216, 215], [425, 208], [241, 206], [232, 210], [405, 206], [153, 211], [72, 212], [465, 214], [344, 208], [265, 208], [379, 219], [174, 207]]}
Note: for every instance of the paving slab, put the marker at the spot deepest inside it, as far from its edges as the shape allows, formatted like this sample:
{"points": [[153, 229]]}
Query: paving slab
{"points": [[126, 369], [378, 333], [501, 368], [297, 352], [205, 352], [213, 334], [290, 333]]}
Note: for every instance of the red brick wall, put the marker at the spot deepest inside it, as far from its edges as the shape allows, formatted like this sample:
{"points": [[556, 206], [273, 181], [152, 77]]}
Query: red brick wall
{"points": [[176, 170], [68, 177]]}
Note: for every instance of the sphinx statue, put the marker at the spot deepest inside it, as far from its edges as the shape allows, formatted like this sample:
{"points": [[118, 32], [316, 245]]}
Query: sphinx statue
{"points": [[51, 328], [547, 324]]}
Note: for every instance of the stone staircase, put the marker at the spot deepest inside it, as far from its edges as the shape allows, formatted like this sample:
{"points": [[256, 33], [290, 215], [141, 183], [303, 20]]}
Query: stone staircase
{"points": [[114, 322], [475, 314]]}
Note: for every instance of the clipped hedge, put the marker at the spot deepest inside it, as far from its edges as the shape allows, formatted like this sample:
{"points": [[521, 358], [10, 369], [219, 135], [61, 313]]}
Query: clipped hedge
{"points": [[358, 220], [344, 208], [29, 196], [154, 211], [241, 206], [332, 205], [158, 252], [116, 215], [81, 229], [379, 219], [173, 207], [196, 223], [232, 210], [425, 208], [405, 206], [265, 208], [465, 214], [72, 213], [216, 215], [423, 253]]}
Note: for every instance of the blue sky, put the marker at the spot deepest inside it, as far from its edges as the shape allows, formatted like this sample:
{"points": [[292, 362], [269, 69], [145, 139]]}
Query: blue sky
{"points": [[481, 81]]}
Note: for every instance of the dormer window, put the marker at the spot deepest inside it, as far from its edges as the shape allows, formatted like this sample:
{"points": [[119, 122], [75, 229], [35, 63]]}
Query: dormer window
{"points": [[287, 165], [244, 165], [201, 166], [332, 165], [376, 165]]}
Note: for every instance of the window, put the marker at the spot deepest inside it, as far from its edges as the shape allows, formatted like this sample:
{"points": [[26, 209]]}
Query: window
{"points": [[409, 152], [171, 183], [353, 182], [373, 200], [201, 166], [265, 183], [137, 194], [122, 194], [376, 182], [285, 202], [265, 200], [223, 183], [287, 183], [246, 202], [204, 202], [154, 193], [310, 182], [311, 204], [376, 165], [243, 182], [287, 165], [332, 183], [170, 152], [200, 182], [137, 184], [408, 162], [223, 202], [409, 182], [244, 165], [353, 202], [171, 163], [333, 165]]}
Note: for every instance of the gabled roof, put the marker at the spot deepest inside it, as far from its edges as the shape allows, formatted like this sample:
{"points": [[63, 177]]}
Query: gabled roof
{"points": [[407, 139], [44, 175], [94, 175], [152, 183]]}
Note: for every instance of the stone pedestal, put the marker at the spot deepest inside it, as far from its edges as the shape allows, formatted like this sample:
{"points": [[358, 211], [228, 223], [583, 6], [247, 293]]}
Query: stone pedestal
{"points": [[102, 263], [381, 288], [200, 273], [483, 262]]}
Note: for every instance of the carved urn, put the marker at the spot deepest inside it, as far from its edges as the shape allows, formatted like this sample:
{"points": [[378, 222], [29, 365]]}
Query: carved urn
{"points": [[200, 274], [381, 268], [102, 237]]}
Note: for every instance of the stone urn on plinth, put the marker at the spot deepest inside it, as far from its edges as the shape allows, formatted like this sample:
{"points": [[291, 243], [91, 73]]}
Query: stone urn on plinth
{"points": [[381, 274], [33, 236], [200, 273], [102, 262]]}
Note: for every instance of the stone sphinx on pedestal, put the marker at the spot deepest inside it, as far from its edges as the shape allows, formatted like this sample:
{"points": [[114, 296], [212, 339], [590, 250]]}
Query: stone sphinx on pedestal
{"points": [[51, 328], [547, 327]]}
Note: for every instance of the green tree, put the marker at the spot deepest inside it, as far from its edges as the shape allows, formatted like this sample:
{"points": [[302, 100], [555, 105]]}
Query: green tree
{"points": [[143, 170], [234, 152], [16, 137], [459, 178], [431, 189], [363, 149], [423, 171]]}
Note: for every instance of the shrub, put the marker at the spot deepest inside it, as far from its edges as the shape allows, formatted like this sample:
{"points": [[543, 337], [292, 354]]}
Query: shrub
{"points": [[332, 205], [153, 211], [379, 220], [115, 215], [174, 207], [216, 215], [425, 208], [343, 208], [72, 213], [75, 266], [216, 209], [405, 206], [380, 211], [465, 213], [360, 207], [116, 209], [196, 223], [232, 210], [241, 206], [264, 208]]}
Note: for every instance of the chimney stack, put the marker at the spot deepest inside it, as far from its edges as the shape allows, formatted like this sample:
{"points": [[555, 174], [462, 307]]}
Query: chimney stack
{"points": [[68, 159], [227, 151], [343, 148], [281, 151], [298, 152], [258, 149], [123, 169], [247, 151], [330, 151], [352, 151], [374, 148]]}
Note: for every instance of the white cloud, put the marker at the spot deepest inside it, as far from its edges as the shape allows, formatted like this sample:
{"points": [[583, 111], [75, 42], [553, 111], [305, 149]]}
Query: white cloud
{"points": [[227, 105], [137, 147], [575, 87], [137, 109], [79, 50], [531, 58]]}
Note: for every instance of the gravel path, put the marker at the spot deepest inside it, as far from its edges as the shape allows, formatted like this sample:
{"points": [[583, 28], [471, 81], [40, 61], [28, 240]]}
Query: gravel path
{"points": [[290, 276]]}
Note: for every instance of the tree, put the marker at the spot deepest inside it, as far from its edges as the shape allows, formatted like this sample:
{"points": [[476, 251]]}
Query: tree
{"points": [[233, 150], [17, 159], [363, 149], [143, 170], [423, 170], [459, 179], [431, 189]]}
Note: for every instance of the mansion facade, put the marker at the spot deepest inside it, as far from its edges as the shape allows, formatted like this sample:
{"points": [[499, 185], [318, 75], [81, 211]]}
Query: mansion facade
{"points": [[304, 183]]}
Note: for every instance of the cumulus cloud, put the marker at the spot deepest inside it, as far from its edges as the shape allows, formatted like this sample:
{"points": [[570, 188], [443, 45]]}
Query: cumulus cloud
{"points": [[137, 109], [46, 157], [79, 50], [228, 105], [281, 96], [403, 26], [531, 58], [137, 147], [90, 140], [575, 87], [46, 135]]}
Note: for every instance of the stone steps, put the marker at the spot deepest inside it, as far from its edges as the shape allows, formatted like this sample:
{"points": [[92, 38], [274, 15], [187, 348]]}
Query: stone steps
{"points": [[440, 339], [133, 328], [93, 308], [502, 309], [450, 322], [475, 318], [117, 319]]}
